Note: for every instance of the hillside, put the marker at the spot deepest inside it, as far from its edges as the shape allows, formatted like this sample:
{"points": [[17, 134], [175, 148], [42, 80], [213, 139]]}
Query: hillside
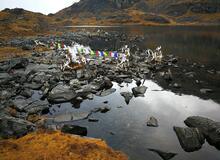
{"points": [[19, 22], [143, 12]]}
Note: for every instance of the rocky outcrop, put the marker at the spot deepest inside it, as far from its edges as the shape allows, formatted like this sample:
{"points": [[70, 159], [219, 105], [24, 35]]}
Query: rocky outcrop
{"points": [[191, 139], [209, 128]]}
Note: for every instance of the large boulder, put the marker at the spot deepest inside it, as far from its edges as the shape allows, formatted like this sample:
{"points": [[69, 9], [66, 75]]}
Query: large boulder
{"points": [[191, 139], [61, 93], [18, 63], [208, 127], [14, 127]]}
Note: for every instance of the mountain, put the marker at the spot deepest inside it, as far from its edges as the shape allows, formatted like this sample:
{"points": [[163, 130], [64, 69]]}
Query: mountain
{"points": [[143, 12], [19, 22]]}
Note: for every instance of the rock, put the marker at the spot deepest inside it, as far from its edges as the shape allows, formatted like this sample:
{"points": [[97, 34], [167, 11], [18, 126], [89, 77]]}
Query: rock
{"points": [[164, 155], [191, 139], [17, 63], [14, 127], [27, 47], [127, 96], [168, 75], [74, 83], [205, 90], [90, 96], [176, 85], [103, 109], [20, 103], [128, 80], [106, 92], [61, 93], [152, 122], [73, 129], [209, 128], [93, 120], [26, 93], [138, 83], [34, 86], [190, 74], [139, 91], [72, 116]]}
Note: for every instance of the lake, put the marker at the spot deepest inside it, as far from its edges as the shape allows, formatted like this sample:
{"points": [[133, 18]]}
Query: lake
{"points": [[124, 126]]}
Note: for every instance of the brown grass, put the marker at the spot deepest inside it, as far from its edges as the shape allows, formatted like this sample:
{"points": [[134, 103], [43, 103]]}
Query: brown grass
{"points": [[57, 146], [10, 52]]}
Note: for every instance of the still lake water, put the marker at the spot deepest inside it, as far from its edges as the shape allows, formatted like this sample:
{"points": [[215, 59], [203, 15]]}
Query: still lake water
{"points": [[131, 135]]}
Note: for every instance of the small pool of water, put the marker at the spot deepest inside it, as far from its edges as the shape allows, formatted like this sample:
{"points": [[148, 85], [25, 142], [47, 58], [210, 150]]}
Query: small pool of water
{"points": [[124, 126]]}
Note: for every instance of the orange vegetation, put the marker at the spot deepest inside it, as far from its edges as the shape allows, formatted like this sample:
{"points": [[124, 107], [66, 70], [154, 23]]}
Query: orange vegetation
{"points": [[57, 146], [9, 52]]}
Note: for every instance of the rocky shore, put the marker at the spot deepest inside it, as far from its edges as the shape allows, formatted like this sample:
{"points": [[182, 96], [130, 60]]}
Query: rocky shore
{"points": [[23, 111]]}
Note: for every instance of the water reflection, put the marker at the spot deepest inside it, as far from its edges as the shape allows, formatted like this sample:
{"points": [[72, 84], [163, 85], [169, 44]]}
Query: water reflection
{"points": [[128, 123], [197, 43]]}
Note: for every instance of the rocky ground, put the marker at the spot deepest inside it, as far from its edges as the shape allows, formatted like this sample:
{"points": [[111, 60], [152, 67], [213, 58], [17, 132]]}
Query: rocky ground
{"points": [[21, 111]]}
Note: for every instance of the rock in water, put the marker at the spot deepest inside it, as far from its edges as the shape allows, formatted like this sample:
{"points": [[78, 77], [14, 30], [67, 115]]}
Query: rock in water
{"points": [[103, 109], [127, 95], [139, 91], [106, 92], [68, 117], [191, 139], [61, 93], [14, 127], [152, 122], [208, 127], [73, 129], [164, 155]]}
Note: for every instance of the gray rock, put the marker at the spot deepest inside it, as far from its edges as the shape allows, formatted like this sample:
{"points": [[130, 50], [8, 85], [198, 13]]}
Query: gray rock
{"points": [[209, 128], [152, 122], [206, 90], [127, 96], [191, 139], [128, 80], [164, 155], [73, 129], [106, 92], [26, 93], [102, 109], [14, 127], [139, 91], [61, 93], [34, 86], [69, 117], [74, 83], [17, 63]]}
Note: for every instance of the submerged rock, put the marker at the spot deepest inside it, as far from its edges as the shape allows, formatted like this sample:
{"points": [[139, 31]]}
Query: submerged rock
{"points": [[102, 109], [127, 95], [106, 92], [14, 127], [164, 155], [191, 139], [209, 128], [61, 93], [73, 129], [152, 122], [139, 91], [72, 116]]}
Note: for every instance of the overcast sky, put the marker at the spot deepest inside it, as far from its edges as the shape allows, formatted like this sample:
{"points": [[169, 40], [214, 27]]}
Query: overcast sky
{"points": [[43, 6]]}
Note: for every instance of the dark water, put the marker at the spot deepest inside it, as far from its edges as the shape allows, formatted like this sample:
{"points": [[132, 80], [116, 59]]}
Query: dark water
{"points": [[131, 135], [197, 43]]}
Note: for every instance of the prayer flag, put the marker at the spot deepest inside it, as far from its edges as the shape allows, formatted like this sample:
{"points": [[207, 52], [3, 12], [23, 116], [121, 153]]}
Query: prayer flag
{"points": [[106, 53], [97, 53], [101, 53]]}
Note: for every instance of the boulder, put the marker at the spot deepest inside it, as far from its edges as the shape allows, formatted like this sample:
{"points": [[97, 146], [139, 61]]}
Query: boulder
{"points": [[61, 93], [209, 128], [139, 91], [106, 92], [152, 122], [164, 155], [191, 139], [14, 127], [73, 129], [127, 96], [102, 109], [72, 116], [17, 63]]}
